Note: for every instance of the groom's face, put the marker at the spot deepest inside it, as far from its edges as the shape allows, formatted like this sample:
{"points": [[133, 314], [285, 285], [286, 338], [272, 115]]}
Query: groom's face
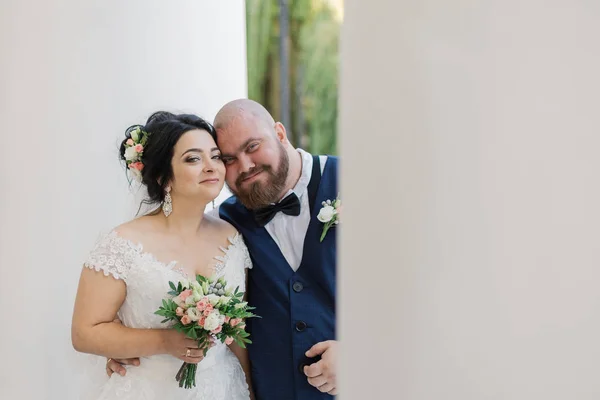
{"points": [[255, 159]]}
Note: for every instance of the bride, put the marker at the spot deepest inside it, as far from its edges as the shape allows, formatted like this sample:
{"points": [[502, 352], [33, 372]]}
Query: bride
{"points": [[127, 274]]}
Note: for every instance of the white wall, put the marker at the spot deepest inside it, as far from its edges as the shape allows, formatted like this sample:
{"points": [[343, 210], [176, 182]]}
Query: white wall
{"points": [[73, 76], [471, 182]]}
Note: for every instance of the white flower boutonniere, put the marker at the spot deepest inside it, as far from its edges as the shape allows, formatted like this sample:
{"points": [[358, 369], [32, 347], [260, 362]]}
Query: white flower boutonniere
{"points": [[329, 215]]}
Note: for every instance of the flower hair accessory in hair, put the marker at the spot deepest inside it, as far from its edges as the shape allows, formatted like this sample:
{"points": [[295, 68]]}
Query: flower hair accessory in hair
{"points": [[134, 149]]}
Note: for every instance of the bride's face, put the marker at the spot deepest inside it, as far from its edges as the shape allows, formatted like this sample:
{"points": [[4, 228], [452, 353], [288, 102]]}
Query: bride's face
{"points": [[198, 170]]}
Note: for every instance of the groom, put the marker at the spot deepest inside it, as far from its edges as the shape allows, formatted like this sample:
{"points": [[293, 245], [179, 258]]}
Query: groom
{"points": [[279, 190]]}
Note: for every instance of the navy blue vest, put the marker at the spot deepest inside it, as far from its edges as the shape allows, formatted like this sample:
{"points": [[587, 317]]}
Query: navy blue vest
{"points": [[297, 308]]}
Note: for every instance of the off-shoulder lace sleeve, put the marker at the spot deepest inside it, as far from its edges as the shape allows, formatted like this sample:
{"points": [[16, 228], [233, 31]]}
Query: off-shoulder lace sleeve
{"points": [[112, 255], [238, 241]]}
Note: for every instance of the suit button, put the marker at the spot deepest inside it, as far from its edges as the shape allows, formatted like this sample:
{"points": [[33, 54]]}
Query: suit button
{"points": [[301, 368], [300, 326], [297, 287]]}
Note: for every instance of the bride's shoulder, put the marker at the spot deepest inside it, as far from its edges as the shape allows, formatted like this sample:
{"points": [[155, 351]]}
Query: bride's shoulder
{"points": [[135, 229], [231, 241], [117, 250], [228, 235], [220, 227], [125, 238]]}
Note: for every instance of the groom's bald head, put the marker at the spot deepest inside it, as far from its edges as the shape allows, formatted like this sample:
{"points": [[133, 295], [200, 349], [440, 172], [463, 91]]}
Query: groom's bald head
{"points": [[243, 110]]}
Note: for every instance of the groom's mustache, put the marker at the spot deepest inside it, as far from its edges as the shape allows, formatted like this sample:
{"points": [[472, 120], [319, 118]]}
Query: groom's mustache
{"points": [[253, 171]]}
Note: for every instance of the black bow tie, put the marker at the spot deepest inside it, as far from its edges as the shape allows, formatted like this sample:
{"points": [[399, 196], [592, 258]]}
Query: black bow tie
{"points": [[290, 206]]}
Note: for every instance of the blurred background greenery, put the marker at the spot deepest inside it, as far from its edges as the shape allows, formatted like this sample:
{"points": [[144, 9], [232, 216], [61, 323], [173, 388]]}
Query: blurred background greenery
{"points": [[292, 48]]}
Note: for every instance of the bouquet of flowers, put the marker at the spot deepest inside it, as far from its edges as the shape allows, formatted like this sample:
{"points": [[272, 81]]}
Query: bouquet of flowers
{"points": [[203, 309]]}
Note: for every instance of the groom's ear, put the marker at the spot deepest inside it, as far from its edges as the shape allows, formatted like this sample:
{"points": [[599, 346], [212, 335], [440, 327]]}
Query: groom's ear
{"points": [[281, 133]]}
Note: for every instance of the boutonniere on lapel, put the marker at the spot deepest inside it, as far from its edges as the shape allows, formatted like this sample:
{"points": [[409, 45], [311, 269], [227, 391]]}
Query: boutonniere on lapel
{"points": [[329, 215]]}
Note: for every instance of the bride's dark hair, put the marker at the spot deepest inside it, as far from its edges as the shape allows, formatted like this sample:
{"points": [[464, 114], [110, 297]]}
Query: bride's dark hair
{"points": [[164, 130]]}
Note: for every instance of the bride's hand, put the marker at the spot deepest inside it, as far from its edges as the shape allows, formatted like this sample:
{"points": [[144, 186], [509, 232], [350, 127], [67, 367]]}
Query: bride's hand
{"points": [[180, 346]]}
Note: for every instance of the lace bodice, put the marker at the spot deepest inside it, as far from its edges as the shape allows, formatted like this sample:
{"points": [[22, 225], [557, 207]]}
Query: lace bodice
{"points": [[147, 280]]}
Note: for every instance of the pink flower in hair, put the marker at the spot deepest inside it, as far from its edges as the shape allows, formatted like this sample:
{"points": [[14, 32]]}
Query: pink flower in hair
{"points": [[130, 142], [139, 148], [136, 165]]}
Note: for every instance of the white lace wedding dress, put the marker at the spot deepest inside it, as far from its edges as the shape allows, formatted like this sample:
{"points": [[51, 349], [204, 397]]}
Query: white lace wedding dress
{"points": [[219, 374]]}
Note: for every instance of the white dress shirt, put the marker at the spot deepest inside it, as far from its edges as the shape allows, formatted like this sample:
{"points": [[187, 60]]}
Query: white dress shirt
{"points": [[289, 231]]}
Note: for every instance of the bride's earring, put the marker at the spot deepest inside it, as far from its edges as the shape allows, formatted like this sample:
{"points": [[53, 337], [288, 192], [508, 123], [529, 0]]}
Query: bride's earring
{"points": [[213, 204], [167, 205]]}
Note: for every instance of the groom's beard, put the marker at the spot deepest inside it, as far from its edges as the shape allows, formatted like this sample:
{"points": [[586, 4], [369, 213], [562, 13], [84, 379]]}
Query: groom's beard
{"points": [[258, 194]]}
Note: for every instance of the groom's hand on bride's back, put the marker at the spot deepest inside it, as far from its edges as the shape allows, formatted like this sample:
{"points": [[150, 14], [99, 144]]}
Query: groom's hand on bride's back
{"points": [[117, 366], [322, 374]]}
